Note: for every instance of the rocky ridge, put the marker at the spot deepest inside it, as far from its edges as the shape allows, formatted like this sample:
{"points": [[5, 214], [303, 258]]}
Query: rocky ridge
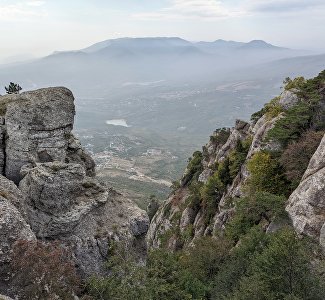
{"points": [[58, 195], [186, 216]]}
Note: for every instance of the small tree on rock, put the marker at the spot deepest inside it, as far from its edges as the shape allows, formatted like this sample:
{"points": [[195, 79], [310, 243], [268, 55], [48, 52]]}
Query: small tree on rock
{"points": [[13, 88]]}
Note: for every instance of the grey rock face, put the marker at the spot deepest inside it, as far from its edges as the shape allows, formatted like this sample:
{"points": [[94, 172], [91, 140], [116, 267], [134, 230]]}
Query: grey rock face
{"points": [[38, 127], [260, 131], [306, 205], [194, 220], [5, 298], [76, 154], [288, 99], [38, 124], [63, 203], [59, 197], [13, 227]]}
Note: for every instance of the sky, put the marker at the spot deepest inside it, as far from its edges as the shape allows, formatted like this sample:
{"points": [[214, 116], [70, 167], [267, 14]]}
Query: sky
{"points": [[33, 28]]}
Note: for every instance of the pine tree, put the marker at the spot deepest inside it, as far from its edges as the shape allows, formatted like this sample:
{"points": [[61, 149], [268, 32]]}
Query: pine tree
{"points": [[13, 88]]}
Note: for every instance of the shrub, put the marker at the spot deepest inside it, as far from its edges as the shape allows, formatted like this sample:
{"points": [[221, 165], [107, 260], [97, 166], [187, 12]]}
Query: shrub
{"points": [[13, 88], [220, 137], [43, 271], [296, 120], [283, 270], [270, 110], [296, 157], [251, 210], [266, 174], [237, 157], [296, 83], [194, 167]]}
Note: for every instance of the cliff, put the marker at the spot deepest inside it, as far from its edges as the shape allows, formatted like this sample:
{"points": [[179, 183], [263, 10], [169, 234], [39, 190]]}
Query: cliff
{"points": [[269, 154], [49, 190]]}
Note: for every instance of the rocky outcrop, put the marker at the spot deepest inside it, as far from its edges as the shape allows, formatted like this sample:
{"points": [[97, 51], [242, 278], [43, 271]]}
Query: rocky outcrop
{"points": [[59, 196], [38, 127], [288, 98], [13, 227], [63, 203], [306, 205], [179, 222]]}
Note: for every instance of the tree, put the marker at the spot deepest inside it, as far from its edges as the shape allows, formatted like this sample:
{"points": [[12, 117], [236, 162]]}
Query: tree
{"points": [[152, 206], [13, 88], [282, 271]]}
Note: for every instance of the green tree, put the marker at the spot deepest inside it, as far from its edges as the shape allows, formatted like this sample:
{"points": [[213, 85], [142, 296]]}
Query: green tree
{"points": [[13, 88], [266, 174], [252, 210], [152, 206], [283, 271]]}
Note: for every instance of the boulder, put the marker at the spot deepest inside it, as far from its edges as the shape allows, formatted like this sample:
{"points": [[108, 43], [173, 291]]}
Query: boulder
{"points": [[306, 205], [38, 127], [63, 203], [288, 99], [13, 227]]}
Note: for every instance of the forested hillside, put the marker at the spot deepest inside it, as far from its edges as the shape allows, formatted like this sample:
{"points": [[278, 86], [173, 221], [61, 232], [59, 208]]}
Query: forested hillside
{"points": [[224, 233]]}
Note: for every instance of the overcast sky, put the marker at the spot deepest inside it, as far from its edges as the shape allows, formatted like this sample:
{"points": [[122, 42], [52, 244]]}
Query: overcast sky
{"points": [[39, 27]]}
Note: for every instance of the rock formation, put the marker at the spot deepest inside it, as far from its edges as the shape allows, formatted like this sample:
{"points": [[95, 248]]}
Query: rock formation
{"points": [[178, 222], [306, 205], [59, 197]]}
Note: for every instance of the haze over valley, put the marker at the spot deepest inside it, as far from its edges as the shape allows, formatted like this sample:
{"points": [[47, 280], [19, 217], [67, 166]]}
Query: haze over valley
{"points": [[145, 104]]}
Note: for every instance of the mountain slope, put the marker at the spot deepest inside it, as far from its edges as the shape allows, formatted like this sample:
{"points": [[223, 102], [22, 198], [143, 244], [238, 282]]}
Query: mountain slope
{"points": [[239, 163]]}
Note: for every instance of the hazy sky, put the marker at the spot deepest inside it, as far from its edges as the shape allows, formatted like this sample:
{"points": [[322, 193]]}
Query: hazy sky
{"points": [[39, 27]]}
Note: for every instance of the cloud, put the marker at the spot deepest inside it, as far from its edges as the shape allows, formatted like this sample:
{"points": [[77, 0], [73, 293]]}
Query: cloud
{"points": [[21, 11], [191, 9], [276, 6]]}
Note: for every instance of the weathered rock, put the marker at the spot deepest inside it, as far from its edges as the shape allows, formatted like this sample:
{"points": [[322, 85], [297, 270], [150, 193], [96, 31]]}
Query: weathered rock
{"points": [[235, 136], [9, 191], [38, 124], [259, 132], [306, 205], [76, 154], [59, 196], [188, 218], [38, 128], [63, 203], [288, 99], [2, 297], [13, 227]]}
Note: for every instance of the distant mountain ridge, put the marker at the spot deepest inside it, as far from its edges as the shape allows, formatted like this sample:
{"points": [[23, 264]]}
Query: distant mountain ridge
{"points": [[171, 43]]}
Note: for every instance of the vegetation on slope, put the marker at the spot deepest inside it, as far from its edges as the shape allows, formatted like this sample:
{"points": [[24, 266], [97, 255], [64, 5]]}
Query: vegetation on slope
{"points": [[259, 256]]}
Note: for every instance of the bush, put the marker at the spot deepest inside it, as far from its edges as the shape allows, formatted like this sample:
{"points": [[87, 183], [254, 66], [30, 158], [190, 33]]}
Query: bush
{"points": [[296, 157], [194, 167], [308, 113], [220, 137], [297, 119], [282, 270], [43, 271], [251, 210], [266, 174], [296, 83], [237, 157], [270, 110]]}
